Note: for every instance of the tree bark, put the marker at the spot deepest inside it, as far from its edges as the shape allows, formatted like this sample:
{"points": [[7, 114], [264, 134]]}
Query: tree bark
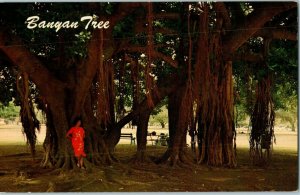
{"points": [[178, 125], [50, 142], [141, 134], [216, 122], [65, 100], [252, 23], [165, 88]]}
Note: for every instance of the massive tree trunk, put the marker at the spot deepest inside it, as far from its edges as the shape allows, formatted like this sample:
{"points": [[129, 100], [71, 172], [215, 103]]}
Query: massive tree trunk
{"points": [[58, 149], [64, 101], [64, 156], [216, 123], [217, 127], [176, 153]]}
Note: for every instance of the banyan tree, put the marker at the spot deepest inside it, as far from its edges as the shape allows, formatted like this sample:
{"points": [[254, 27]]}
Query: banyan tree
{"points": [[182, 51]]}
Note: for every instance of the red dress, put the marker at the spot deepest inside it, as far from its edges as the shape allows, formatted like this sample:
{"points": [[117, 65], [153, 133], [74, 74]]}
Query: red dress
{"points": [[77, 140]]}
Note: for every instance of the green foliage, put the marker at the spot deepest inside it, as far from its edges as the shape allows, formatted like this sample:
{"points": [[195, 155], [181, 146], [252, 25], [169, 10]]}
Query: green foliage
{"points": [[7, 83], [287, 116], [9, 112], [247, 8], [124, 28], [283, 62], [240, 115], [79, 48], [282, 65], [159, 116]]}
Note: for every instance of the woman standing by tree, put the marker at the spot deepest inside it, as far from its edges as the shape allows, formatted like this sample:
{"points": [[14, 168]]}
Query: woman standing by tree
{"points": [[77, 134]]}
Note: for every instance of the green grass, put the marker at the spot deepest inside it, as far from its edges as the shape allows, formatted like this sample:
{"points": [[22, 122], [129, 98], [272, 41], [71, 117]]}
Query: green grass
{"points": [[280, 175]]}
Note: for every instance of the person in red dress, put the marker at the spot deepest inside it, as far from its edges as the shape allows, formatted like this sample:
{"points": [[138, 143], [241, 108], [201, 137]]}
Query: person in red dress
{"points": [[77, 134]]}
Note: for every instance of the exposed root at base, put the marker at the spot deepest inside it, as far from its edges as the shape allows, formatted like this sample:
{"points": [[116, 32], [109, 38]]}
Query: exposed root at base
{"points": [[176, 159], [141, 158]]}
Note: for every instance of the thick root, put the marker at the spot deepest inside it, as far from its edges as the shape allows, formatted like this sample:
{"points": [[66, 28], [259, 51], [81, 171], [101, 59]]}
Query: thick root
{"points": [[47, 161], [113, 158], [59, 162], [106, 159], [141, 158], [176, 159], [68, 163], [65, 162], [46, 164]]}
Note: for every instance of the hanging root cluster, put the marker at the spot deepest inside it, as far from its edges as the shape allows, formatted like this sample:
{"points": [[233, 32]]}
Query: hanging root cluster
{"points": [[50, 142], [180, 110], [121, 89], [262, 123], [28, 118], [149, 80], [104, 86], [216, 130]]}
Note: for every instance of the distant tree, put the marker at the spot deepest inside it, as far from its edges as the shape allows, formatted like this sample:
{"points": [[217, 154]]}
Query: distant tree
{"points": [[9, 112], [161, 117], [289, 117]]}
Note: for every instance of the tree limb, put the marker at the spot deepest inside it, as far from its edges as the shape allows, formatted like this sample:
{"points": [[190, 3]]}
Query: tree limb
{"points": [[221, 9], [87, 70], [167, 15], [156, 54], [252, 24], [165, 88], [166, 31], [249, 57], [277, 34], [20, 56]]}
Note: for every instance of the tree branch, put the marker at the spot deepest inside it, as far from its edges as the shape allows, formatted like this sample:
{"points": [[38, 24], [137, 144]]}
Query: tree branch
{"points": [[166, 31], [169, 85], [140, 26], [249, 57], [20, 56], [156, 54], [222, 10], [87, 70], [277, 34], [252, 24], [167, 15], [165, 58]]}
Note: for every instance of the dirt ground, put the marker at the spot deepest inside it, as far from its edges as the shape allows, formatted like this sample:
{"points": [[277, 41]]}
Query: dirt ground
{"points": [[19, 173]]}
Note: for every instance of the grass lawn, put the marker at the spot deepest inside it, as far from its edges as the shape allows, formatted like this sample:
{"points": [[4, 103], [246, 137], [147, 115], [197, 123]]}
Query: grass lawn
{"points": [[18, 173]]}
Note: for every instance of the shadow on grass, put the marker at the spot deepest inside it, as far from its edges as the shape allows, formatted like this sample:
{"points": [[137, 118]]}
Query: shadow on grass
{"points": [[20, 174]]}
